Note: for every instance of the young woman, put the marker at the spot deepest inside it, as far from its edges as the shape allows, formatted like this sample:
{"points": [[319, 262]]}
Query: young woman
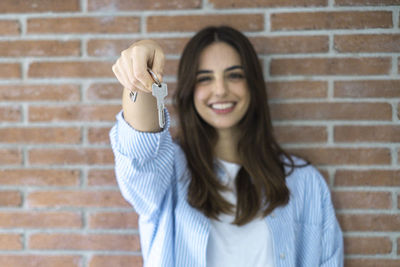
{"points": [[225, 193]]}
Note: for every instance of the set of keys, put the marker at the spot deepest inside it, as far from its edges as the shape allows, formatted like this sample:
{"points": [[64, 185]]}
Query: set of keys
{"points": [[159, 91]]}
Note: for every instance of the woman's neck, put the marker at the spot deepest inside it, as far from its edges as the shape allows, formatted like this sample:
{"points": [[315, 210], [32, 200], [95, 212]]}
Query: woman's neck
{"points": [[226, 147]]}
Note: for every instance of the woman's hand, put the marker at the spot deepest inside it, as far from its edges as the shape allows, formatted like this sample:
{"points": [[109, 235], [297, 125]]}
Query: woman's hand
{"points": [[131, 71], [131, 68]]}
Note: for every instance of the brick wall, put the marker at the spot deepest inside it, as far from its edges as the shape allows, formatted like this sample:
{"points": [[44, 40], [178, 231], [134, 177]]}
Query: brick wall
{"points": [[333, 74]]}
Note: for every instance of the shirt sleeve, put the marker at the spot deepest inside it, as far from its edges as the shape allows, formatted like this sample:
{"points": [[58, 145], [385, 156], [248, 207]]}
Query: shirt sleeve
{"points": [[143, 165], [332, 237]]}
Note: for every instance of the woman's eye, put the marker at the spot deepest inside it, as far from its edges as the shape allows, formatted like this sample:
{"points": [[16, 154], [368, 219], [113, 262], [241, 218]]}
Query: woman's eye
{"points": [[235, 76], [203, 79]]}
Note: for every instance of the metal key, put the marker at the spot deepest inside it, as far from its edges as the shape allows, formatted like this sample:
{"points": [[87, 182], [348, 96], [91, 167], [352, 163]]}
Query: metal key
{"points": [[160, 92], [133, 96]]}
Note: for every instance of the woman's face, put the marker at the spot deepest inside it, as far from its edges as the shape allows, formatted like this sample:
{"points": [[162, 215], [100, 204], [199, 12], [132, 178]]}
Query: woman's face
{"points": [[221, 95]]}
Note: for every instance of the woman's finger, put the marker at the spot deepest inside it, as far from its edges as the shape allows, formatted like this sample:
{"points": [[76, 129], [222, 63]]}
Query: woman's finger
{"points": [[127, 62], [141, 57], [120, 75]]}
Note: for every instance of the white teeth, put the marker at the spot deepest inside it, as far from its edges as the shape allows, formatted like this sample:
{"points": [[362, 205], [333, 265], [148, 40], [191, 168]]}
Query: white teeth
{"points": [[222, 105]]}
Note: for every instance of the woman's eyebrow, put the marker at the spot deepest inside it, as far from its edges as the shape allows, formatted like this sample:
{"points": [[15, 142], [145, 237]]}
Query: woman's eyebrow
{"points": [[203, 71], [234, 67], [227, 69]]}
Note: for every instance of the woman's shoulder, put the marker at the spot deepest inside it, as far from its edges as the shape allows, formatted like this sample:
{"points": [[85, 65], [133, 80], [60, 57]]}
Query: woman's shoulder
{"points": [[309, 193], [305, 177]]}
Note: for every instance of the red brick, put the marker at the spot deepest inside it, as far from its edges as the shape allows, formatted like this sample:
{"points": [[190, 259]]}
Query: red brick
{"points": [[114, 47], [371, 263], [102, 24], [171, 68], [35, 6], [369, 222], [11, 113], [171, 91], [265, 3], [115, 261], [373, 177], [105, 91], [325, 175], [398, 246], [331, 66], [398, 111], [40, 261], [71, 156], [107, 47], [398, 64], [10, 242], [367, 245], [367, 43], [301, 134], [172, 45], [345, 156], [9, 27], [76, 199], [40, 220], [74, 113], [379, 133], [332, 111], [398, 202], [124, 5], [290, 44], [70, 241], [77, 69], [10, 199], [113, 220], [10, 70], [100, 177], [331, 20], [41, 135], [243, 22], [39, 48], [39, 177], [99, 135], [361, 200], [367, 89], [44, 92], [297, 89], [366, 3], [10, 156]]}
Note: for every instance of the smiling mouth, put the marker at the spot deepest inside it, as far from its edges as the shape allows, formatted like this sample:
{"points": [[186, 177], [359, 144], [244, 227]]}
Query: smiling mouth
{"points": [[222, 106]]}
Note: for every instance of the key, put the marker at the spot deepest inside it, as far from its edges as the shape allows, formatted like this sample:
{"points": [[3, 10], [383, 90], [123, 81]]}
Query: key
{"points": [[160, 92], [133, 96]]}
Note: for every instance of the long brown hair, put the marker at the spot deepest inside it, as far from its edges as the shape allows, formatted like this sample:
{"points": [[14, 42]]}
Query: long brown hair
{"points": [[260, 183]]}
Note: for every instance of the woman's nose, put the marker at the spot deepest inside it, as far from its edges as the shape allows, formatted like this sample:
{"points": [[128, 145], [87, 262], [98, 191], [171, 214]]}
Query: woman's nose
{"points": [[221, 88]]}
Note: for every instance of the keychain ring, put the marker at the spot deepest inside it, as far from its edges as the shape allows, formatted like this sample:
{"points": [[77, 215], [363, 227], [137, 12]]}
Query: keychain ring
{"points": [[154, 77]]}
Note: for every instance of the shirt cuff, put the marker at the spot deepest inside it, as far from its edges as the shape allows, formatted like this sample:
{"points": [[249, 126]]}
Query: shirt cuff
{"points": [[137, 144]]}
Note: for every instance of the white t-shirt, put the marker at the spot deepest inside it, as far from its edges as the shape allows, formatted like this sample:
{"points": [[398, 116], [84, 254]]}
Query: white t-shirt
{"points": [[238, 246]]}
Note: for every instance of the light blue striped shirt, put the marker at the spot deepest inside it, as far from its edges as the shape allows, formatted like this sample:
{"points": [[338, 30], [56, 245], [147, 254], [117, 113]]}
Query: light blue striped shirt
{"points": [[153, 176]]}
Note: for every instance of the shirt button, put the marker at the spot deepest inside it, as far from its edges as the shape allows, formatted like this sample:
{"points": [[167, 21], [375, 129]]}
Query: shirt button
{"points": [[282, 256], [272, 215]]}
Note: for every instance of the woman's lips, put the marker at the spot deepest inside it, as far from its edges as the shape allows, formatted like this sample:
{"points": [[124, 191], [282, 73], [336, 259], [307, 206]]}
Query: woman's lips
{"points": [[223, 107]]}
